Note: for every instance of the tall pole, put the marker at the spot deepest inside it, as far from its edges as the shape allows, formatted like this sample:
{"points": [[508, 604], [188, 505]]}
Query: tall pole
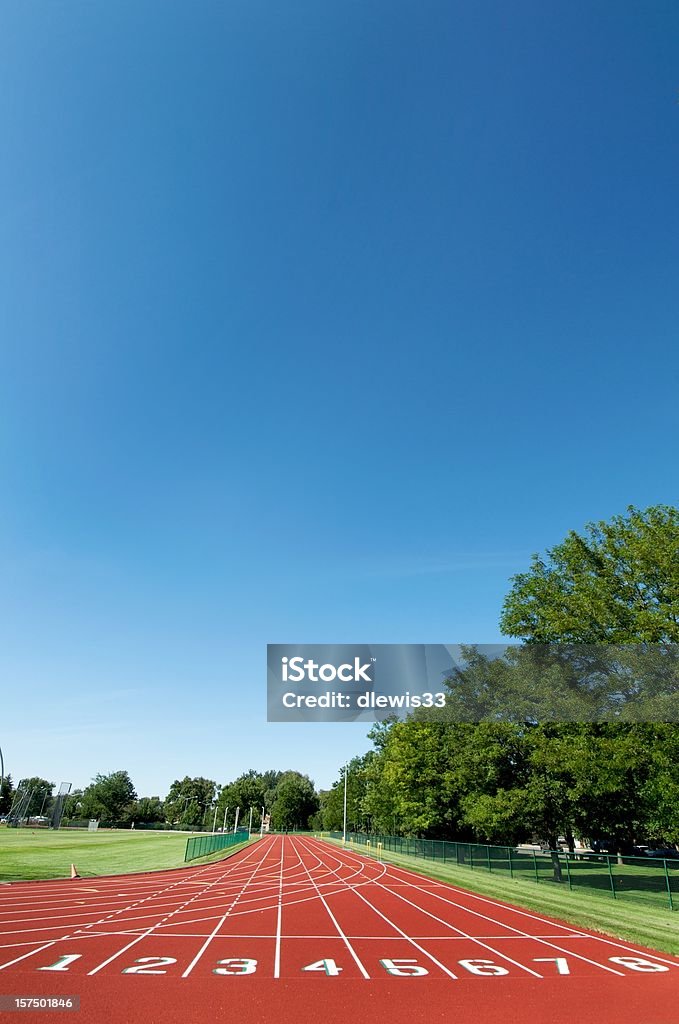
{"points": [[224, 824], [250, 824], [214, 821], [2, 772], [344, 838], [261, 830], [235, 824]]}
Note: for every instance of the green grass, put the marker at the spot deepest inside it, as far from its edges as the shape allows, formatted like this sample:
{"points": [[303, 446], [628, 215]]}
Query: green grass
{"points": [[29, 854], [649, 925]]}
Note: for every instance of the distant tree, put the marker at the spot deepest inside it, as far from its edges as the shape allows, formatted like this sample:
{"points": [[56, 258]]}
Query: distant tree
{"points": [[147, 809], [251, 789], [6, 794], [73, 804], [618, 583], [189, 802], [41, 796], [332, 802], [295, 801], [109, 797]]}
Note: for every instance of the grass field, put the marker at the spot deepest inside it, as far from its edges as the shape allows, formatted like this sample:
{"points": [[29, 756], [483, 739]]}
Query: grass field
{"points": [[646, 925], [28, 854]]}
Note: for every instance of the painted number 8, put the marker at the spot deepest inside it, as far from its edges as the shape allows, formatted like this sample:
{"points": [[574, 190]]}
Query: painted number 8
{"points": [[635, 963]]}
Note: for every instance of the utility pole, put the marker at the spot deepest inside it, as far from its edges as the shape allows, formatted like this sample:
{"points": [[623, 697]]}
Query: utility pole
{"points": [[224, 824], [235, 824]]}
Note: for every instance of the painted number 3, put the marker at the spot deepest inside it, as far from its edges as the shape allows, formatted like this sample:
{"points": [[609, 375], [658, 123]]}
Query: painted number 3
{"points": [[243, 966]]}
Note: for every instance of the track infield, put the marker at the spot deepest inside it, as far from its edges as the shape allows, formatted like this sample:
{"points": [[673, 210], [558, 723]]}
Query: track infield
{"points": [[294, 929]]}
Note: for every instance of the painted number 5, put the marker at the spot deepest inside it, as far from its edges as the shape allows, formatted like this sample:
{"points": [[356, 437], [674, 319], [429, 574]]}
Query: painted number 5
{"points": [[403, 968]]}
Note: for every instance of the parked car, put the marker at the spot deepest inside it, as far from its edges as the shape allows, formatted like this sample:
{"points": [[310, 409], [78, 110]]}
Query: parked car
{"points": [[662, 852], [602, 845]]}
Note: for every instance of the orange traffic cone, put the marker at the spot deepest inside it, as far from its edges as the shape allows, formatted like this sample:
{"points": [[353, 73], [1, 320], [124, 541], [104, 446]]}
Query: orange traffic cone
{"points": [[74, 873]]}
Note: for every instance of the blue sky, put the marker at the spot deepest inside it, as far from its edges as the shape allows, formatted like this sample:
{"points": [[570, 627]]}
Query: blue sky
{"points": [[316, 321]]}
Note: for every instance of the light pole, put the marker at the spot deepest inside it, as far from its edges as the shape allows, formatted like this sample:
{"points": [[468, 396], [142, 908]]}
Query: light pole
{"points": [[224, 822], [184, 801], [2, 772], [344, 837]]}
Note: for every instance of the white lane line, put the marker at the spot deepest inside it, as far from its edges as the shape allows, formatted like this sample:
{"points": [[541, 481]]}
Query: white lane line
{"points": [[430, 956], [462, 934], [26, 955], [629, 949], [345, 940], [277, 961], [503, 924], [220, 923], [148, 931]]}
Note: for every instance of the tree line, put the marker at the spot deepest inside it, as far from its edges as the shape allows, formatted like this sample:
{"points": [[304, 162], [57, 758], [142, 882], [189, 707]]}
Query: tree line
{"points": [[288, 799], [502, 783]]}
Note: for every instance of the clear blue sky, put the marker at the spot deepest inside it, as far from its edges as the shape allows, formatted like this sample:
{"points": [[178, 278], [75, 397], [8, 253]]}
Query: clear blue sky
{"points": [[316, 321]]}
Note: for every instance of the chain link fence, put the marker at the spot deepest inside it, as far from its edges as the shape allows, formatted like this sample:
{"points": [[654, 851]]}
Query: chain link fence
{"points": [[650, 880]]}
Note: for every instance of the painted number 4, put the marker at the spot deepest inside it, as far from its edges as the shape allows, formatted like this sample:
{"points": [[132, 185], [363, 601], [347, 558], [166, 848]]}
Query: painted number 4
{"points": [[329, 967]]}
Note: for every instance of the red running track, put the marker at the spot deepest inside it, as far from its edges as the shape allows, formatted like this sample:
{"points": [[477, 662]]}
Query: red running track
{"points": [[295, 929]]}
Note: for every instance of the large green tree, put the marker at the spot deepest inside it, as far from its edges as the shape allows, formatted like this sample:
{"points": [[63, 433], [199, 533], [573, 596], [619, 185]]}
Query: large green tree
{"points": [[110, 798], [295, 802], [572, 732], [189, 802], [617, 583]]}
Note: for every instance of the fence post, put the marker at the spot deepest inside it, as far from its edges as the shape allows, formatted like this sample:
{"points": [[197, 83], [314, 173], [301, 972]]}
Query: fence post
{"points": [[443, 846], [667, 882], [610, 875], [488, 857], [568, 874], [511, 870], [535, 866]]}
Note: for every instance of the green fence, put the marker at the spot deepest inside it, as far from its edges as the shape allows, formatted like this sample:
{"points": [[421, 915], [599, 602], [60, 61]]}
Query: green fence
{"points": [[642, 879], [201, 846]]}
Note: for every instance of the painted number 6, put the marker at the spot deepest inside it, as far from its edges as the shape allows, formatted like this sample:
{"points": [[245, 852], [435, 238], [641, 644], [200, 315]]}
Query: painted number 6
{"points": [[486, 968]]}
